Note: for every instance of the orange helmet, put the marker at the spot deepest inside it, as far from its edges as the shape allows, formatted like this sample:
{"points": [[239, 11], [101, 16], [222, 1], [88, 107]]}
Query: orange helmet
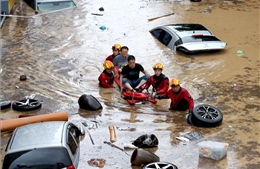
{"points": [[158, 66], [108, 64], [175, 82], [116, 47]]}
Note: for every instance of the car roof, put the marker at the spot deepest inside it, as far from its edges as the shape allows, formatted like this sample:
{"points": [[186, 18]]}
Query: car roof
{"points": [[183, 30], [37, 135]]}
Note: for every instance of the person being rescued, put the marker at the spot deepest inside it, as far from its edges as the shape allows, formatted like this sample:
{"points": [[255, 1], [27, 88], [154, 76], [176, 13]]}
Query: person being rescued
{"points": [[106, 78], [130, 74], [159, 82], [181, 99], [116, 49]]}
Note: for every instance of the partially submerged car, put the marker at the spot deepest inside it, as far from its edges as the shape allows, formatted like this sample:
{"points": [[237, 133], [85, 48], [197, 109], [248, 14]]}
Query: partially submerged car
{"points": [[187, 38], [50, 5], [52, 145]]}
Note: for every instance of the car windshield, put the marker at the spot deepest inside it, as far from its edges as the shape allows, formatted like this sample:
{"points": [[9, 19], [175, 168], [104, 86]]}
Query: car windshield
{"points": [[38, 159], [189, 39]]}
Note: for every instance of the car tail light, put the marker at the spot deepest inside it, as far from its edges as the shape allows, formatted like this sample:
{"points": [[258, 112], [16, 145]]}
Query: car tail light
{"points": [[71, 167], [197, 35]]}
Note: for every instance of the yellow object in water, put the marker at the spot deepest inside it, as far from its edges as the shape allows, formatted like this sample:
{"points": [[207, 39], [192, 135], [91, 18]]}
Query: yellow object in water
{"points": [[10, 5]]}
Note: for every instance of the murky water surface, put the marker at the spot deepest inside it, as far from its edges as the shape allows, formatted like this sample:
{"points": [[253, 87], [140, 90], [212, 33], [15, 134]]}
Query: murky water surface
{"points": [[61, 54]]}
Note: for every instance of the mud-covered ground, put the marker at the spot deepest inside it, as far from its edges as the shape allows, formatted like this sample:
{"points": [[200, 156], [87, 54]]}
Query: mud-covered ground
{"points": [[62, 53]]}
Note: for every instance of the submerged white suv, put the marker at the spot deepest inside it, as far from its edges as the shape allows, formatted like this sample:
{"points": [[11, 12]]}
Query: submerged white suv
{"points": [[44, 145], [187, 38]]}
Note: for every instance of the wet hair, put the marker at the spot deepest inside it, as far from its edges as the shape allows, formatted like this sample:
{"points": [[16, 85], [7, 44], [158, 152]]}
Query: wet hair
{"points": [[130, 57], [124, 47]]}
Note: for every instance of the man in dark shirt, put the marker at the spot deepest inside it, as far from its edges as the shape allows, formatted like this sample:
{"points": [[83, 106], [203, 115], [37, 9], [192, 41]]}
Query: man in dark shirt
{"points": [[131, 72]]}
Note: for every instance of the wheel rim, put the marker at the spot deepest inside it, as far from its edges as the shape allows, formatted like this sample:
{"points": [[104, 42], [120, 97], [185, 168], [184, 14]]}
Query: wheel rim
{"points": [[26, 103], [208, 112], [160, 165]]}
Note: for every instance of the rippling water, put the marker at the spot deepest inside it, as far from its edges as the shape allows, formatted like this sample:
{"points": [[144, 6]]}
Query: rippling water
{"points": [[61, 53]]}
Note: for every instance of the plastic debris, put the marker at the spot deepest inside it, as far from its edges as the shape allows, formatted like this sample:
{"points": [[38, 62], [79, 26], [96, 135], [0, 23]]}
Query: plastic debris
{"points": [[240, 52], [112, 132], [102, 27], [23, 77], [182, 139], [101, 9], [212, 149], [84, 124], [98, 14], [236, 88], [191, 136], [97, 162], [129, 146], [146, 141]]}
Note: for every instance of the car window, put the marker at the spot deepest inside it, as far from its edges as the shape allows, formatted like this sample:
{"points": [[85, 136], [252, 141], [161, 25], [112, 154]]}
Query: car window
{"points": [[163, 36], [38, 158], [189, 39], [73, 139]]}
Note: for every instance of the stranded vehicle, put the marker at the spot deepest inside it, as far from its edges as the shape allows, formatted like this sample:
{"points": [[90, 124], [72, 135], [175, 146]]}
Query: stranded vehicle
{"points": [[52, 145], [187, 38]]}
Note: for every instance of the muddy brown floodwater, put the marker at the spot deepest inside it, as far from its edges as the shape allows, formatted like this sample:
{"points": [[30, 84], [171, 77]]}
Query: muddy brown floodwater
{"points": [[61, 53]]}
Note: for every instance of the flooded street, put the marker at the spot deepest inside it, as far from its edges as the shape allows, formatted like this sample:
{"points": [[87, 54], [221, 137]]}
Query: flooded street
{"points": [[61, 53]]}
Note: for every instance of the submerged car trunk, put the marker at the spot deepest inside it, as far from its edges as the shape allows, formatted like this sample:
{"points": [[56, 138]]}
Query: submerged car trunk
{"points": [[203, 46]]}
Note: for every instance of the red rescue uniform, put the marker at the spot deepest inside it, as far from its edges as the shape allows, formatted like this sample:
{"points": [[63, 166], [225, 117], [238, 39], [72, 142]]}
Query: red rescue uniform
{"points": [[111, 57], [106, 79], [159, 83], [180, 100]]}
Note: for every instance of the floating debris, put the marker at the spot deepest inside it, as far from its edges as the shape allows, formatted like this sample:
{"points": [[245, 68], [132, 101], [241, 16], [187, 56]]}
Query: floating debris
{"points": [[240, 52], [97, 162], [101, 9], [23, 77], [102, 27]]}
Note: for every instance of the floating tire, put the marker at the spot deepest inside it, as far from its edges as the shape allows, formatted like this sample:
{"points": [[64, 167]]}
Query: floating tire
{"points": [[205, 116], [5, 103], [26, 105], [160, 165]]}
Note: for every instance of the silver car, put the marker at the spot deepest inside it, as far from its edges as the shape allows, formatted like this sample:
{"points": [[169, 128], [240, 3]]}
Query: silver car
{"points": [[187, 38], [45, 145]]}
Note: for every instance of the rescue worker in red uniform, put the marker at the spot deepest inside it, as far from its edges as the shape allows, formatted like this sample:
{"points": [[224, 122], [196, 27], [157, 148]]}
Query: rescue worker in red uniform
{"points": [[116, 49], [181, 100], [159, 81], [106, 78]]}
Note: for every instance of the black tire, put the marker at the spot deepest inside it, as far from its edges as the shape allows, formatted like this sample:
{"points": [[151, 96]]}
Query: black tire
{"points": [[206, 116], [188, 118], [158, 165], [5, 103], [31, 105]]}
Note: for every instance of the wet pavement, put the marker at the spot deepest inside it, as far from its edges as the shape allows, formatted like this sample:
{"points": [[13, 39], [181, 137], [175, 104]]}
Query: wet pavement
{"points": [[61, 53]]}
